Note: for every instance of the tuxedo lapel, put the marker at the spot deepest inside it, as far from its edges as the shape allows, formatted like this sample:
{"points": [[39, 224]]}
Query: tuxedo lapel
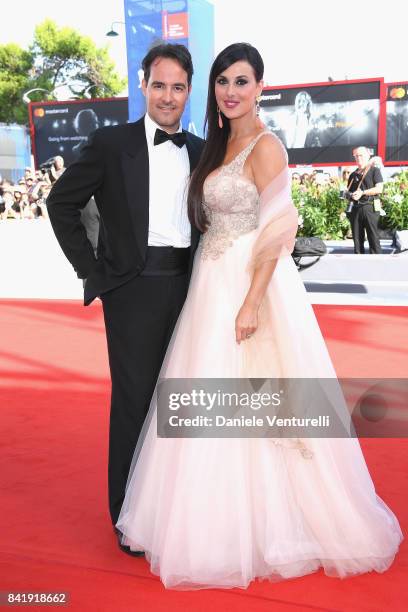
{"points": [[135, 165], [194, 152]]}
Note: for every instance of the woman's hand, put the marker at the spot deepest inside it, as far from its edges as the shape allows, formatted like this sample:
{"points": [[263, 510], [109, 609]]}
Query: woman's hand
{"points": [[246, 322]]}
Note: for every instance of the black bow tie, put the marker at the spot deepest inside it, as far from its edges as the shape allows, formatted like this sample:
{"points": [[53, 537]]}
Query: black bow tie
{"points": [[179, 138]]}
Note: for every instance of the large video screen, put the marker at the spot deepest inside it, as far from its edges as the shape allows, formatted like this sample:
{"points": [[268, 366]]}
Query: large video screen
{"points": [[321, 124], [396, 144], [62, 128]]}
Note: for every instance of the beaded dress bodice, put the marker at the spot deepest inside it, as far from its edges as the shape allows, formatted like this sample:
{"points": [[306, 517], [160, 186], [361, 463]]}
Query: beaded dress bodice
{"points": [[231, 204]]}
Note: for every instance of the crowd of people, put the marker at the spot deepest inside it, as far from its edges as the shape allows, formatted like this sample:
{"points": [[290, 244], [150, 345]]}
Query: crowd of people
{"points": [[26, 199], [321, 179]]}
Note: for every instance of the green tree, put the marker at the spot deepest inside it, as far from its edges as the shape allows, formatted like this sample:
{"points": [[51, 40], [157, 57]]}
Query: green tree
{"points": [[15, 67], [57, 56]]}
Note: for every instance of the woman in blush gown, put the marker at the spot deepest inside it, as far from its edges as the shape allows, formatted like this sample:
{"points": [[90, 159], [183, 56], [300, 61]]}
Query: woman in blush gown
{"points": [[220, 512]]}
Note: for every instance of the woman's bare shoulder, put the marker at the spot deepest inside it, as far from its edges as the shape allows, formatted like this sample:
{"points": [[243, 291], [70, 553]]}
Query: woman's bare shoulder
{"points": [[268, 159]]}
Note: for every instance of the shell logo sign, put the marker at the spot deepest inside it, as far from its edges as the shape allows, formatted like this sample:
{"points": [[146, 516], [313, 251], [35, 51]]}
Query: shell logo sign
{"points": [[397, 93], [39, 112]]}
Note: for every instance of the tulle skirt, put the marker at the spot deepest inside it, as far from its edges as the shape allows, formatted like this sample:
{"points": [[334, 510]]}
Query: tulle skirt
{"points": [[219, 512]]}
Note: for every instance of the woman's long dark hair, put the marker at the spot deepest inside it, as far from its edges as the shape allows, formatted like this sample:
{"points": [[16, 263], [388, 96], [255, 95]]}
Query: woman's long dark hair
{"points": [[216, 137]]}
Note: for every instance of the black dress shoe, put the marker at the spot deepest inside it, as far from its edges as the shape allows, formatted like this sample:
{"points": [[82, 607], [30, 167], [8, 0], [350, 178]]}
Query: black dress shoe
{"points": [[124, 548]]}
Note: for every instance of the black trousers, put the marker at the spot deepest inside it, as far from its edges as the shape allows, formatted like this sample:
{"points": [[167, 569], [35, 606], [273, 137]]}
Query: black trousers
{"points": [[363, 218], [139, 318]]}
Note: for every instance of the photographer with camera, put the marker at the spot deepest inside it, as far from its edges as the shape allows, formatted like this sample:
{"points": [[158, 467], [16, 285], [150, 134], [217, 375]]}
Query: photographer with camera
{"points": [[364, 186], [57, 168], [37, 197]]}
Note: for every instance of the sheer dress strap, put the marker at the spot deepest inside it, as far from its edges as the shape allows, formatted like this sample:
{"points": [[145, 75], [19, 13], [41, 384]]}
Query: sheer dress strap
{"points": [[239, 161]]}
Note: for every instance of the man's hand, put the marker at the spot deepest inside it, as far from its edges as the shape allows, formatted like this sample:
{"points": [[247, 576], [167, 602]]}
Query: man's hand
{"points": [[357, 194]]}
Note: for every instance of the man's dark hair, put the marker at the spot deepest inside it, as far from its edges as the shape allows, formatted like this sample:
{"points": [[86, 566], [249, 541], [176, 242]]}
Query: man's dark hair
{"points": [[179, 53]]}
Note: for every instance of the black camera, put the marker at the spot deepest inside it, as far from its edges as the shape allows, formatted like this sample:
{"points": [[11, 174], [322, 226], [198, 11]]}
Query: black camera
{"points": [[346, 195]]}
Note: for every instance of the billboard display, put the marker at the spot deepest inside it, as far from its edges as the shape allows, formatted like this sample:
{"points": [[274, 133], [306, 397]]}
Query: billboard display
{"points": [[62, 128], [321, 123], [396, 140]]}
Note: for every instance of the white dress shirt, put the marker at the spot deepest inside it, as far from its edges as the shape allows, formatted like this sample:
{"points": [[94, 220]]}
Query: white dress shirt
{"points": [[169, 171]]}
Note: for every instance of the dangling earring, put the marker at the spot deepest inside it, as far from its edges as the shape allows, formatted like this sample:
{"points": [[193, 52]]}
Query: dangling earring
{"points": [[220, 123], [257, 106]]}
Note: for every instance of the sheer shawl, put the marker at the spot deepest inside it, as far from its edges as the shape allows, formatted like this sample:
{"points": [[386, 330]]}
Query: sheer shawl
{"points": [[286, 312], [278, 222]]}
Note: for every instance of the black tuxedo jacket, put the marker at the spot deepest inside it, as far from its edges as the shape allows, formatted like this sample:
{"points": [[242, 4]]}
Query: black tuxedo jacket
{"points": [[113, 168]]}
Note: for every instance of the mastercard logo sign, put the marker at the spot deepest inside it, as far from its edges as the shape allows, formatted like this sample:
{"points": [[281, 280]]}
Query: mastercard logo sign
{"points": [[39, 112], [397, 93]]}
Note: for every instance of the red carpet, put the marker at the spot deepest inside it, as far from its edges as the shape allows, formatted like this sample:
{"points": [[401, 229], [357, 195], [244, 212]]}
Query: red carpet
{"points": [[56, 534]]}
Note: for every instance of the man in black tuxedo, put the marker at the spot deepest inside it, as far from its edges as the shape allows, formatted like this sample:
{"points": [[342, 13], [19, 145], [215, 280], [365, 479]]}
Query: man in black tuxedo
{"points": [[138, 174]]}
